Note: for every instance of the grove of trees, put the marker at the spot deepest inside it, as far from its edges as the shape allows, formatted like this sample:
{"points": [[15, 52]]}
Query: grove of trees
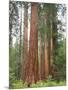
{"points": [[37, 42]]}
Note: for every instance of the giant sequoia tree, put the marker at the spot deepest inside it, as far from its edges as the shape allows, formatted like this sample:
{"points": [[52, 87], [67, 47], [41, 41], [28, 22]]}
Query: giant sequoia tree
{"points": [[33, 46]]}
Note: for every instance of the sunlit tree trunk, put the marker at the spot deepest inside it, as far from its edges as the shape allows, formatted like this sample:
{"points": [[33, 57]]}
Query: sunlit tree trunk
{"points": [[46, 58], [47, 43], [32, 76], [25, 42], [51, 45]]}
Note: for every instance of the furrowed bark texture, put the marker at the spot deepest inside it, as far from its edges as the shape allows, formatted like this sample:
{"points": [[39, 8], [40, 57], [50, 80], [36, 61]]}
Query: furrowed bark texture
{"points": [[25, 43], [32, 76]]}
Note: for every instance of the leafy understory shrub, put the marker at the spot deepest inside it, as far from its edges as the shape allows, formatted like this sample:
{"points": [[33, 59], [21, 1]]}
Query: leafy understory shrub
{"points": [[18, 84]]}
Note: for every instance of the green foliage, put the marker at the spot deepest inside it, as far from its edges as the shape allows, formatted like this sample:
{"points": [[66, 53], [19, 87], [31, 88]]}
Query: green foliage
{"points": [[11, 66], [14, 65], [60, 60], [18, 84], [48, 83], [11, 78]]}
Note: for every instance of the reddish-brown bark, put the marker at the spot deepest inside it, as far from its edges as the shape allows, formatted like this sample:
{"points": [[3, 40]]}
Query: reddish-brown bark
{"points": [[46, 58], [32, 76], [52, 46], [25, 43], [42, 61]]}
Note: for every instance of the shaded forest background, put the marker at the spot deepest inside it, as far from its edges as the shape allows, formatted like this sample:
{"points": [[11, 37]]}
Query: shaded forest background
{"points": [[37, 43]]}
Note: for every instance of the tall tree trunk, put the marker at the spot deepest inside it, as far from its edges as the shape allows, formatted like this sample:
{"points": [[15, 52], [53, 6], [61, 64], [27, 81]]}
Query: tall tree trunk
{"points": [[49, 55], [36, 50], [51, 45], [42, 61], [47, 43], [25, 42], [33, 46], [46, 58], [53, 37], [20, 35]]}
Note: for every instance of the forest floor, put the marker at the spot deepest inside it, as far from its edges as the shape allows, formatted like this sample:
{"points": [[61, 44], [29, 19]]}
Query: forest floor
{"points": [[19, 84]]}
